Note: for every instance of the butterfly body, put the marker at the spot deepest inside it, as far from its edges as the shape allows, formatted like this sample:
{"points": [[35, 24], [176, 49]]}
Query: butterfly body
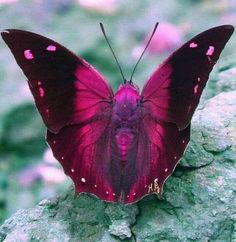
{"points": [[122, 146], [125, 118]]}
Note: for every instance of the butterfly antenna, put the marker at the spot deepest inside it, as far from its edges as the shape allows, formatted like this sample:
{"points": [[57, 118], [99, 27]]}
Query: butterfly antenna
{"points": [[153, 32], [121, 72]]}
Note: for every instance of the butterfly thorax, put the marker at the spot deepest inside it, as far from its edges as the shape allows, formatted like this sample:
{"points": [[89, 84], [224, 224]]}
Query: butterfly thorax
{"points": [[126, 102], [126, 114]]}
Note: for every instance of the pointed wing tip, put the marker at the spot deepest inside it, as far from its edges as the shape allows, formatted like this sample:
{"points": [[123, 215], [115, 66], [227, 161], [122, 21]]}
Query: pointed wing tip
{"points": [[10, 33], [225, 30], [5, 32], [228, 28]]}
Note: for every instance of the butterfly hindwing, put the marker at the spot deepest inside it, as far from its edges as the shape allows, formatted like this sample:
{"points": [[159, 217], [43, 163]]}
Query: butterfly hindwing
{"points": [[84, 153], [156, 157]]}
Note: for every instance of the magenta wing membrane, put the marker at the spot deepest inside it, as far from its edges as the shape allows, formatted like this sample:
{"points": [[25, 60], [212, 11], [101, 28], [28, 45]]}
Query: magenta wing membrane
{"points": [[173, 91], [66, 89]]}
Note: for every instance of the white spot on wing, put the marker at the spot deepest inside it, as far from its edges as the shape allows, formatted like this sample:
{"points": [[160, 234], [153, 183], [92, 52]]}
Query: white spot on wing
{"points": [[47, 112], [28, 55], [72, 170], [41, 92], [210, 50], [166, 170], [196, 89], [189, 108], [107, 192], [193, 45], [51, 48], [83, 180]]}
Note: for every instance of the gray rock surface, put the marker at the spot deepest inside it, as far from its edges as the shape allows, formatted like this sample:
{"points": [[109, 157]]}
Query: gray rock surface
{"points": [[198, 203], [226, 80]]}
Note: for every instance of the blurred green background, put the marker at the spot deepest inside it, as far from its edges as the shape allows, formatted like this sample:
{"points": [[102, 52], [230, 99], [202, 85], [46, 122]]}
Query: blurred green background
{"points": [[28, 172]]}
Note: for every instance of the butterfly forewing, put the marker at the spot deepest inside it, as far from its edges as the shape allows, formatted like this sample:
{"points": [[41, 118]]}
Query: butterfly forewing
{"points": [[173, 91], [66, 89]]}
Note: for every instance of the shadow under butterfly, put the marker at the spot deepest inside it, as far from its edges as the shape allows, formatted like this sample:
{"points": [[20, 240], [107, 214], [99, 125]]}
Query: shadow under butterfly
{"points": [[119, 146]]}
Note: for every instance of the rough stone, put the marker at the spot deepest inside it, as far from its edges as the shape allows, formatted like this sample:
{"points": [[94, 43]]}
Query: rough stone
{"points": [[198, 202], [226, 80], [213, 132]]}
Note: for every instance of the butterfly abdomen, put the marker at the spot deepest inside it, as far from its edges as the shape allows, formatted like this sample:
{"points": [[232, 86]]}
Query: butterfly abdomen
{"points": [[126, 115]]}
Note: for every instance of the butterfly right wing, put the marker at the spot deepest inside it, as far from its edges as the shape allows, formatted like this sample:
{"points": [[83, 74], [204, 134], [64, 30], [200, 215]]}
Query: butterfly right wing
{"points": [[168, 101]]}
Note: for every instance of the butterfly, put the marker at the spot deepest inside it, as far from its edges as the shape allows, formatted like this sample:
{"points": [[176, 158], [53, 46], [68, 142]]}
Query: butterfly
{"points": [[118, 146]]}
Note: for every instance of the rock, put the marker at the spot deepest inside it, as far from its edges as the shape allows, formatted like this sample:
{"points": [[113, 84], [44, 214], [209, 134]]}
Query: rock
{"points": [[227, 80], [198, 202], [213, 132], [70, 219]]}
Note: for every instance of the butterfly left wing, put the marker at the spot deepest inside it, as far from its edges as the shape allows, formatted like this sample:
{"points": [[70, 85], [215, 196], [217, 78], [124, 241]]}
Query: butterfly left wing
{"points": [[75, 103]]}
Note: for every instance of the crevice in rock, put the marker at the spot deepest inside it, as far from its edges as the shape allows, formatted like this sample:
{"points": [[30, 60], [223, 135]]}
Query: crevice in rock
{"points": [[183, 169], [215, 153]]}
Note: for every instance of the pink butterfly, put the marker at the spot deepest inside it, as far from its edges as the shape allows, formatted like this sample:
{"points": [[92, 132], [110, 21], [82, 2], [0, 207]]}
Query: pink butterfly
{"points": [[119, 146]]}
